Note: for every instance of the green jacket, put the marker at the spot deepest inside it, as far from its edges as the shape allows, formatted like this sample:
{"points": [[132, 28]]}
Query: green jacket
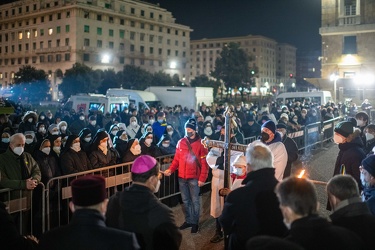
{"points": [[10, 170]]}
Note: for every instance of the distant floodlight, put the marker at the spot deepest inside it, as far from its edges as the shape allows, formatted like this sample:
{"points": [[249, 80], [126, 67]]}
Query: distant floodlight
{"points": [[173, 65], [105, 58]]}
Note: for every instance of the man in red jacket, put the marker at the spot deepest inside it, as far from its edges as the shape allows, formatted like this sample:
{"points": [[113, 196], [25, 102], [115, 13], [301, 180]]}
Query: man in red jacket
{"points": [[190, 160]]}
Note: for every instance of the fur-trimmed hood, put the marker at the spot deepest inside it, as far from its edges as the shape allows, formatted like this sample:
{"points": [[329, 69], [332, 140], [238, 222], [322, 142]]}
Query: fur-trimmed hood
{"points": [[30, 114]]}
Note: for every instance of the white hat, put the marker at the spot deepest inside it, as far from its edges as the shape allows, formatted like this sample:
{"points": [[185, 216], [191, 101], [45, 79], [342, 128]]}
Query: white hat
{"points": [[240, 161], [284, 115]]}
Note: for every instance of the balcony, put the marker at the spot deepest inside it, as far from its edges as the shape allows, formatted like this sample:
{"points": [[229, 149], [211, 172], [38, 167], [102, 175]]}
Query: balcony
{"points": [[53, 50], [349, 20]]}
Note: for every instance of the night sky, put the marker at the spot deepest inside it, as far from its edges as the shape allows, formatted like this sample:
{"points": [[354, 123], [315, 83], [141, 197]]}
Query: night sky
{"points": [[292, 21]]}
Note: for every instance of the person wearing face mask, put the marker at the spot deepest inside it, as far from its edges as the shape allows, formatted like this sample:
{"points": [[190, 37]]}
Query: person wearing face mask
{"points": [[351, 153], [85, 140], [53, 129], [190, 160], [148, 147], [121, 142], [73, 159], [368, 182], [173, 134], [101, 155], [159, 126], [299, 206], [272, 139], [362, 122], [133, 128], [165, 146], [63, 127], [113, 131], [92, 125], [30, 142], [4, 144], [78, 124], [87, 229], [41, 133], [290, 146], [138, 210], [48, 165], [133, 150], [19, 170], [43, 119], [369, 132], [28, 122]]}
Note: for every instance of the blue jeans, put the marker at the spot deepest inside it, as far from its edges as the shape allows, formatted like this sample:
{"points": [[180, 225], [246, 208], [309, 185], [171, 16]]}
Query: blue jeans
{"points": [[190, 197]]}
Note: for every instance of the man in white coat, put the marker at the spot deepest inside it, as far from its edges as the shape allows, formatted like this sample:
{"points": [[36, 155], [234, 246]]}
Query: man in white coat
{"points": [[272, 139]]}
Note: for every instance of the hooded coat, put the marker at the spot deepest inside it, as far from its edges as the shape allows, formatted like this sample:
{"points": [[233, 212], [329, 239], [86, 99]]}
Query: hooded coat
{"points": [[72, 161], [25, 125], [152, 149]]}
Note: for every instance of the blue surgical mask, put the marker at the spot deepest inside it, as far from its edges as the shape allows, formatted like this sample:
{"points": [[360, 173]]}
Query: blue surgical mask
{"points": [[160, 120]]}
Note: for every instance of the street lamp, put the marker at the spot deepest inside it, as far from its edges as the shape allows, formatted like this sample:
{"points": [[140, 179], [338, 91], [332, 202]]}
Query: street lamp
{"points": [[334, 77]]}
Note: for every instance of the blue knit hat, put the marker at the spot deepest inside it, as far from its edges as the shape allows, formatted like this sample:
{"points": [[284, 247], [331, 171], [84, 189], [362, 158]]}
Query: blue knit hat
{"points": [[369, 164], [270, 125]]}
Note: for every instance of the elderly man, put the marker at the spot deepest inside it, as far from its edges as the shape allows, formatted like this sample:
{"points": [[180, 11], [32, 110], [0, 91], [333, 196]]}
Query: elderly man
{"points": [[18, 169], [136, 209], [348, 209], [87, 230], [299, 206], [253, 209]]}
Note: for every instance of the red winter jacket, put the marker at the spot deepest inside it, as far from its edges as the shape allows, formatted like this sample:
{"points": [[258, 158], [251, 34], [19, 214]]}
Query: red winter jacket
{"points": [[186, 164]]}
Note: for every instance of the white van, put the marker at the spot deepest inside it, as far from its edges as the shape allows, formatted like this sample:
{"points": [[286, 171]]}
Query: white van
{"points": [[319, 97], [95, 102], [141, 99]]}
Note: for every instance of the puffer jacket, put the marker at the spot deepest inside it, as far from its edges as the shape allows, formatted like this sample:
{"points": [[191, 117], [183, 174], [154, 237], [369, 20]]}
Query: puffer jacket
{"points": [[185, 162]]}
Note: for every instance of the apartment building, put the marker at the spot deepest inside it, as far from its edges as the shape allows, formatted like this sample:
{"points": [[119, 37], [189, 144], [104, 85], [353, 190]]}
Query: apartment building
{"points": [[103, 34], [348, 48], [274, 61]]}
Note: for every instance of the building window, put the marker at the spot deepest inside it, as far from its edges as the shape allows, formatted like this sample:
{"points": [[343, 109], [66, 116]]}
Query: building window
{"points": [[142, 49], [49, 43], [160, 52], [68, 14], [350, 45], [67, 57], [58, 18], [169, 31], [151, 27], [132, 10], [142, 13], [350, 7], [122, 21], [66, 41], [50, 18], [50, 31], [142, 37], [99, 31], [132, 48], [132, 61], [176, 43], [142, 25], [58, 58], [20, 35], [50, 58], [122, 46], [122, 60], [42, 19], [86, 42], [86, 29], [111, 19], [67, 28], [99, 43], [151, 38], [122, 33], [41, 59], [58, 43], [111, 45], [151, 50], [86, 57], [99, 17], [132, 24], [132, 35], [58, 29], [41, 32], [110, 33], [160, 39]]}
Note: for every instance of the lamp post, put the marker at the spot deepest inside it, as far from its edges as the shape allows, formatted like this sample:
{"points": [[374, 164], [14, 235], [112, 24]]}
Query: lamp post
{"points": [[334, 77]]}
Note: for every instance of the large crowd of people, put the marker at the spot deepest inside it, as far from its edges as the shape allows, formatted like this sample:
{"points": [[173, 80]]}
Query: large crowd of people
{"points": [[36, 147]]}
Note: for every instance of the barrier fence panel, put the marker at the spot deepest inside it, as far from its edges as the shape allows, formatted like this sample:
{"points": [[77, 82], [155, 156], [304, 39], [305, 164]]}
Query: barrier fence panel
{"points": [[26, 207], [249, 140]]}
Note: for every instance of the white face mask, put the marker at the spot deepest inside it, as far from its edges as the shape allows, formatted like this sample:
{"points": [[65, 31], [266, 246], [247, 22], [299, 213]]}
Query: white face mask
{"points": [[114, 132], [360, 123], [87, 139], [170, 132], [30, 120], [18, 150], [208, 131], [369, 136], [57, 149], [76, 147], [134, 123], [42, 117], [42, 130], [136, 150], [29, 141], [82, 118], [239, 171], [165, 145], [151, 121], [46, 150], [338, 139], [365, 184], [156, 189], [5, 140], [93, 123], [55, 132], [148, 141], [63, 128]]}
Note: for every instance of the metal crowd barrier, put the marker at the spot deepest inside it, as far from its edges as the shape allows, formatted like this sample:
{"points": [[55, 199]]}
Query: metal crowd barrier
{"points": [[26, 207]]}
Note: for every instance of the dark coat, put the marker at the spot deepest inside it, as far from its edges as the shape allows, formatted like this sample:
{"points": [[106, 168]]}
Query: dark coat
{"points": [[77, 126], [253, 209], [74, 162], [356, 217], [99, 160], [87, 230], [137, 210], [369, 195], [120, 146], [10, 237], [369, 146], [350, 155], [313, 232], [48, 166], [250, 131]]}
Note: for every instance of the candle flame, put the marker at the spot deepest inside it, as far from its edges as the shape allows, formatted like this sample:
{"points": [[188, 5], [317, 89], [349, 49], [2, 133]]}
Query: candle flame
{"points": [[301, 173]]}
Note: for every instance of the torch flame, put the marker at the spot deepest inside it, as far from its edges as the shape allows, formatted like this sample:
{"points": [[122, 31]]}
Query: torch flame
{"points": [[301, 173]]}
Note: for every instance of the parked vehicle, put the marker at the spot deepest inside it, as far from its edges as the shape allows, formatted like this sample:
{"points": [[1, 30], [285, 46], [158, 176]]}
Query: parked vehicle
{"points": [[85, 102], [141, 99], [320, 97], [190, 97]]}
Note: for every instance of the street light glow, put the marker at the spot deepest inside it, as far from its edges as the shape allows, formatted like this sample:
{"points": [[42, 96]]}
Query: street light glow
{"points": [[105, 58], [173, 65]]}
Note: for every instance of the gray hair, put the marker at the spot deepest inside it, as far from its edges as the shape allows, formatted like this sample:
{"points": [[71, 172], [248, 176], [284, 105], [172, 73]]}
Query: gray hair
{"points": [[343, 187], [15, 136], [259, 156]]}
